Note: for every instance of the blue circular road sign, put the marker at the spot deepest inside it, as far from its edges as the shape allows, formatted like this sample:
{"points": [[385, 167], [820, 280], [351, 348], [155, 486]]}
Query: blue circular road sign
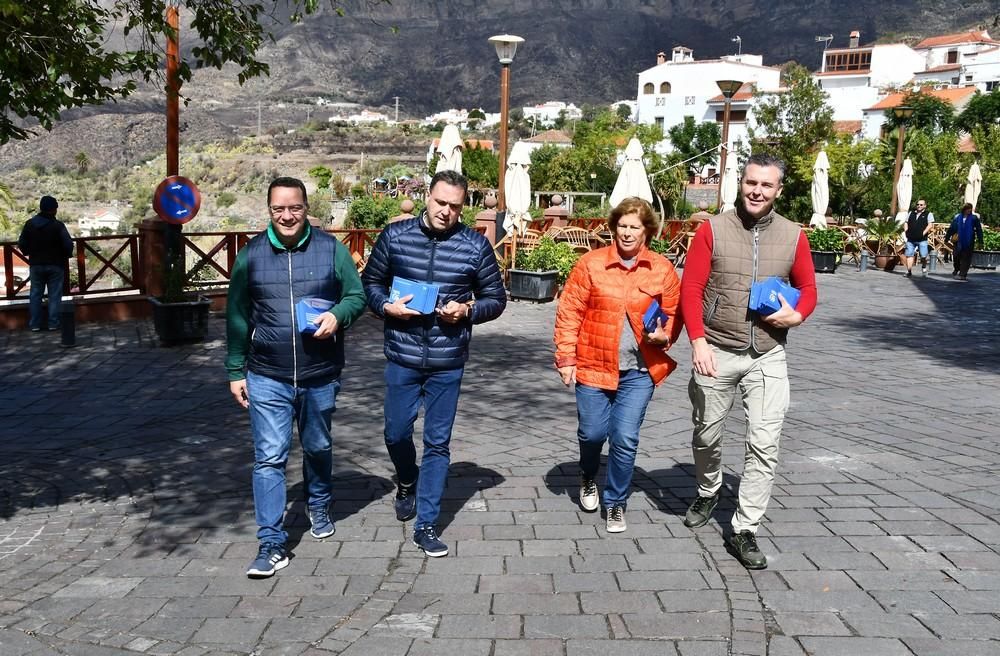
{"points": [[176, 200]]}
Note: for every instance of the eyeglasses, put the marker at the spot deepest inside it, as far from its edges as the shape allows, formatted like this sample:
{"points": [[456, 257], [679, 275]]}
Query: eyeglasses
{"points": [[278, 210]]}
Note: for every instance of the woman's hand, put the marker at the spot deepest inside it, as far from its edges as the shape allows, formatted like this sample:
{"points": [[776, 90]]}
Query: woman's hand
{"points": [[568, 374]]}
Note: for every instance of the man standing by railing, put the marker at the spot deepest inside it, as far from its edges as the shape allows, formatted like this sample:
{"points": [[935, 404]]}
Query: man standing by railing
{"points": [[286, 372], [46, 243]]}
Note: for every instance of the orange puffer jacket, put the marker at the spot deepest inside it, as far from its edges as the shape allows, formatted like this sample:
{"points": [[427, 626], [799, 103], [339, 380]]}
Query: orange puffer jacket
{"points": [[592, 310]]}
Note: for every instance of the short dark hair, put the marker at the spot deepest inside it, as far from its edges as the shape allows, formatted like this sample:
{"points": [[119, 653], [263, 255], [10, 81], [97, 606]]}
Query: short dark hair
{"points": [[452, 178], [763, 159], [633, 205], [287, 182], [967, 206]]}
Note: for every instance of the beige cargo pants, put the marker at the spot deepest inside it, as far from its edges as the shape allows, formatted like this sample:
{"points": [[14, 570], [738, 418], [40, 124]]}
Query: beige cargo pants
{"points": [[762, 381]]}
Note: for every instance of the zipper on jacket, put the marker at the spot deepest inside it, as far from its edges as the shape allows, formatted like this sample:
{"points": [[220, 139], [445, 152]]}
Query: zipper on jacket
{"points": [[756, 248], [291, 308], [427, 325]]}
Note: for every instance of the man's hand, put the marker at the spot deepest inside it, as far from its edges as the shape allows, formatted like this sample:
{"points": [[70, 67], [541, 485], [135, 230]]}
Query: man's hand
{"points": [[327, 326], [398, 310], [703, 358], [786, 317], [238, 388], [454, 311], [568, 374], [659, 337]]}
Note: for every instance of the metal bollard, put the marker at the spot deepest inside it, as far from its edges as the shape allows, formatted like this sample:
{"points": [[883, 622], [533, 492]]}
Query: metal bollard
{"points": [[67, 321], [932, 262], [863, 261]]}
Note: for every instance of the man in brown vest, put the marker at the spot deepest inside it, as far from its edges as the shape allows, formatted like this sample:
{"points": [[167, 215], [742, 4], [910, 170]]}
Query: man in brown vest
{"points": [[734, 348]]}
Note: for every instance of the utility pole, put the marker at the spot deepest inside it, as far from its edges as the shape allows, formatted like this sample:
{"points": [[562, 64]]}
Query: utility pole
{"points": [[396, 98]]}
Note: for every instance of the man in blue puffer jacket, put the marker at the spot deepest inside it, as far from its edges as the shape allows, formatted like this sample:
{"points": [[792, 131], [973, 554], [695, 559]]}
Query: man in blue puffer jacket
{"points": [[426, 353], [286, 373]]}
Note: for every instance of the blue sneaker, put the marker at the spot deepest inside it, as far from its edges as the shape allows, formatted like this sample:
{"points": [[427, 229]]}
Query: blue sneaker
{"points": [[406, 501], [270, 558], [426, 538], [322, 526]]}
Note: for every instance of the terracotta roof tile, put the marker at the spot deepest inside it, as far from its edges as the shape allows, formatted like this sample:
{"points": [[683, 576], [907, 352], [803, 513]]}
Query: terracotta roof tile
{"points": [[551, 136], [942, 67], [953, 96], [847, 127], [966, 144], [972, 36]]}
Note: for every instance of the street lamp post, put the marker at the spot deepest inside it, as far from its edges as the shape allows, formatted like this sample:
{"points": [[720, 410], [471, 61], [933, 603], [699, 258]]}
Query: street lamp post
{"points": [[728, 89], [506, 46], [903, 113]]}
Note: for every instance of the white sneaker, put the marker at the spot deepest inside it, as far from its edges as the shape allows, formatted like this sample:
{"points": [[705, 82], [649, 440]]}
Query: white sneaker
{"points": [[616, 519], [588, 494], [923, 272]]}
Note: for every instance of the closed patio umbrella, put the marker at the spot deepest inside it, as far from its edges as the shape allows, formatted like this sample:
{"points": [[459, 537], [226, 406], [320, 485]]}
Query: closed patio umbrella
{"points": [[904, 191], [450, 147], [517, 188], [820, 190], [632, 180], [730, 186], [973, 185]]}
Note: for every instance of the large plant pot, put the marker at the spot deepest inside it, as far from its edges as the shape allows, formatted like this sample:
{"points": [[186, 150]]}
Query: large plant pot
{"points": [[985, 259], [533, 285], [886, 262], [825, 261], [180, 322]]}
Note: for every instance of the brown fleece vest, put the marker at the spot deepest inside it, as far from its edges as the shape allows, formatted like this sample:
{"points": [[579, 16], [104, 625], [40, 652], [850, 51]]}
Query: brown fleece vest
{"points": [[741, 255]]}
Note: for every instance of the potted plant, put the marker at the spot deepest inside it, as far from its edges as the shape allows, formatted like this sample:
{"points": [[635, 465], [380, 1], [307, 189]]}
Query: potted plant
{"points": [[989, 256], [826, 246], [539, 272], [179, 316], [881, 234]]}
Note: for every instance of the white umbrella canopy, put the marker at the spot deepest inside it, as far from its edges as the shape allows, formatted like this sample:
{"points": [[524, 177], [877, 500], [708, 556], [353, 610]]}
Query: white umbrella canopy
{"points": [[450, 147], [973, 185], [730, 186], [632, 180], [517, 187], [904, 191], [820, 190]]}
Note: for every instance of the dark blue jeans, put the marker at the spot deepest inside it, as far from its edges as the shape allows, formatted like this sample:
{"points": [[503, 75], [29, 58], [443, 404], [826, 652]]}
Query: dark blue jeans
{"points": [[614, 416], [405, 390], [274, 406], [42, 276]]}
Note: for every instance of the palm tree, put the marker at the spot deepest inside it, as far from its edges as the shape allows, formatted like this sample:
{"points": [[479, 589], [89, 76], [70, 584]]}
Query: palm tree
{"points": [[6, 202], [82, 162]]}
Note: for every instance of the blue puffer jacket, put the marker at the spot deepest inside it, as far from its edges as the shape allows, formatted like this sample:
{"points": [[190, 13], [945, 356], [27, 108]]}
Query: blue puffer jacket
{"points": [[461, 261]]}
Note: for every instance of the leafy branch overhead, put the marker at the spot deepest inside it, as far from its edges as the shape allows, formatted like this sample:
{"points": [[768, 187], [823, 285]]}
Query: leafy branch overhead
{"points": [[59, 55]]}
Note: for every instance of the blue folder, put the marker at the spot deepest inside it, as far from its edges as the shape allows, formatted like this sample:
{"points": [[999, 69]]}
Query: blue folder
{"points": [[307, 313], [764, 295], [653, 312], [424, 294]]}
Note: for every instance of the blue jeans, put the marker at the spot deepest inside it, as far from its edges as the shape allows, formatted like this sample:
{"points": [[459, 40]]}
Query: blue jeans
{"points": [[614, 415], [42, 276], [273, 407], [438, 390]]}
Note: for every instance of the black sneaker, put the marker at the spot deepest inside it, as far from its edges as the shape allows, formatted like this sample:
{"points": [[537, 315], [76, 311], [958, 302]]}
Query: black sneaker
{"points": [[743, 545], [321, 524], [270, 558], [406, 501], [426, 538], [588, 494], [701, 511], [909, 274]]}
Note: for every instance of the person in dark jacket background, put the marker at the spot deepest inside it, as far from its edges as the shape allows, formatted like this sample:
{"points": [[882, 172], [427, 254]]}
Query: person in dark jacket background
{"points": [[47, 244], [966, 228], [282, 375], [426, 353]]}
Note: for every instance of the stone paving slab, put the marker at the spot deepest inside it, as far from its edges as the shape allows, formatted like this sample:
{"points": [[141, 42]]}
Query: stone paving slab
{"points": [[126, 518]]}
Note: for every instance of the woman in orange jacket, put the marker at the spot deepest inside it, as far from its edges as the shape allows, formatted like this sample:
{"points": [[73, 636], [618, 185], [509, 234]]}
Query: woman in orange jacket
{"points": [[603, 346]]}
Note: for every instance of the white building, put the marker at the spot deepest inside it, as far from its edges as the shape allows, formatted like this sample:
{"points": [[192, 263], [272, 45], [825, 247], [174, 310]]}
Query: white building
{"points": [[967, 58], [107, 220], [856, 77], [548, 112], [875, 118], [452, 116], [683, 87], [557, 138], [367, 117]]}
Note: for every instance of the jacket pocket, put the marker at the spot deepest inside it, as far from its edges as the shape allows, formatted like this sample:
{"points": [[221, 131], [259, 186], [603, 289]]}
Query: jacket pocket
{"points": [[712, 308]]}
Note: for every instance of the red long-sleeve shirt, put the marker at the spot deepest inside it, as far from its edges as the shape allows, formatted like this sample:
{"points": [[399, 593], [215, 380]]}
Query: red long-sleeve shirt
{"points": [[698, 266]]}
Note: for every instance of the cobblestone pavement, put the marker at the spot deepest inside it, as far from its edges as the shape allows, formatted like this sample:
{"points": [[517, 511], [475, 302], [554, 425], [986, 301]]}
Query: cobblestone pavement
{"points": [[126, 517]]}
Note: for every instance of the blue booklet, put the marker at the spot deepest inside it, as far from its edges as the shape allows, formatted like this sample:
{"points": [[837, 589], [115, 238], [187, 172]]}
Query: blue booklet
{"points": [[653, 312], [764, 295], [307, 313], [424, 294]]}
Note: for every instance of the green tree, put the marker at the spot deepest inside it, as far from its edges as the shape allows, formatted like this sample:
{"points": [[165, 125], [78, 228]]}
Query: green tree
{"points": [[321, 174], [983, 110], [857, 180], [6, 206], [57, 54], [930, 113], [82, 162], [624, 112], [791, 123], [481, 166], [697, 142], [987, 140]]}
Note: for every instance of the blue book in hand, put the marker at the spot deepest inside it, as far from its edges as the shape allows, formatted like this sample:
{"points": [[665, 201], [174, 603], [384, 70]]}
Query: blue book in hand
{"points": [[307, 313], [424, 294], [764, 295], [653, 312]]}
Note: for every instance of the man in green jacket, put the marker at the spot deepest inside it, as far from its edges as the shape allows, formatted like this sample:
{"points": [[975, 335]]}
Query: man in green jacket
{"points": [[284, 362]]}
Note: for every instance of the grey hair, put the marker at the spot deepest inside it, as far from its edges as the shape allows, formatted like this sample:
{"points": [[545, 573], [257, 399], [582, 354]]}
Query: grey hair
{"points": [[763, 159]]}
